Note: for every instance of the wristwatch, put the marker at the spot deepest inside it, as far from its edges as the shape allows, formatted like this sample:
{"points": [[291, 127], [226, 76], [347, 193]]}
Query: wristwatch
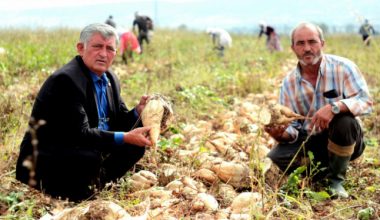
{"points": [[335, 108]]}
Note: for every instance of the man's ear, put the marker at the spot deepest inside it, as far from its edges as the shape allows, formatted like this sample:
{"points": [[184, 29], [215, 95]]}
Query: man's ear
{"points": [[323, 43], [80, 48]]}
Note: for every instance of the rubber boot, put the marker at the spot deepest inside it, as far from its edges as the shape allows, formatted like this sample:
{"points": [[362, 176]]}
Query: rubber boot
{"points": [[337, 172]]}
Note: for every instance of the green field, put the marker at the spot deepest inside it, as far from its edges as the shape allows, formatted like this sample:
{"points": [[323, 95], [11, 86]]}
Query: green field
{"points": [[182, 65]]}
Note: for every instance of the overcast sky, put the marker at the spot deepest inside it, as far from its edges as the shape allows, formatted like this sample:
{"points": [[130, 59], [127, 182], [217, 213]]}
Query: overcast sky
{"points": [[196, 14]]}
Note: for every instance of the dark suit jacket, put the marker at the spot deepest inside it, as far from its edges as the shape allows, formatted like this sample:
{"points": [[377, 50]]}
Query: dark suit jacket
{"points": [[67, 102]]}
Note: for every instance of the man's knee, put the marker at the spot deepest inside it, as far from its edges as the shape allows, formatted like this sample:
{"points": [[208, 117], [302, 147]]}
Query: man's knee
{"points": [[136, 150], [119, 161], [125, 154], [273, 155], [344, 129], [281, 158]]}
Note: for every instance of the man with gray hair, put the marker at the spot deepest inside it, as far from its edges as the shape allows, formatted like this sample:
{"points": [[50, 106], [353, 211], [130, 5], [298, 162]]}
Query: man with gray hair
{"points": [[86, 135], [331, 93]]}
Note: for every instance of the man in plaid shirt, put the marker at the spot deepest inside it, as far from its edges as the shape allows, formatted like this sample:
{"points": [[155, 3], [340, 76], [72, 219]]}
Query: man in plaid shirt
{"points": [[331, 92]]}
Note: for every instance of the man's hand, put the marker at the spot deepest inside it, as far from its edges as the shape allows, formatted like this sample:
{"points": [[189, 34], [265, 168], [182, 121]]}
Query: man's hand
{"points": [[276, 131], [142, 103], [322, 118], [138, 136]]}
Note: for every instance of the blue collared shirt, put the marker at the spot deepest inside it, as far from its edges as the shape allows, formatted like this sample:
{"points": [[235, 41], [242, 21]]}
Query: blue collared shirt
{"points": [[100, 84]]}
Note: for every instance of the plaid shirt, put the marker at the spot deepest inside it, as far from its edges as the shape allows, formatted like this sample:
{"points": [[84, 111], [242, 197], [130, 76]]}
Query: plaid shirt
{"points": [[339, 79]]}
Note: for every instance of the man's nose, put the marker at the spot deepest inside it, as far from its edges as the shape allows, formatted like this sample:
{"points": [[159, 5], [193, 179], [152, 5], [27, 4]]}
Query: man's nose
{"points": [[103, 51], [307, 47]]}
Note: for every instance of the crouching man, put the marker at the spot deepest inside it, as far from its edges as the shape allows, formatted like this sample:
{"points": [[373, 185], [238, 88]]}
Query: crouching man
{"points": [[332, 92], [89, 137]]}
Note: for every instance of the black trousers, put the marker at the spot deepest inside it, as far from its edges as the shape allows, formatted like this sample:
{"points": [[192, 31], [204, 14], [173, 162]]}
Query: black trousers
{"points": [[344, 130], [365, 37], [143, 36], [76, 174]]}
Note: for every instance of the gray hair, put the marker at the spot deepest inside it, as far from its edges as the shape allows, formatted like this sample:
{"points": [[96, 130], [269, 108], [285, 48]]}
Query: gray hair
{"points": [[309, 25], [105, 30]]}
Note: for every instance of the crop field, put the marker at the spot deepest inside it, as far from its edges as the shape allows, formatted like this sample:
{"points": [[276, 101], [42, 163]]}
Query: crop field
{"points": [[214, 128]]}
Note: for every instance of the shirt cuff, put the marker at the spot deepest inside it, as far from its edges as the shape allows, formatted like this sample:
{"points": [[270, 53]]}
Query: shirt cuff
{"points": [[119, 138]]}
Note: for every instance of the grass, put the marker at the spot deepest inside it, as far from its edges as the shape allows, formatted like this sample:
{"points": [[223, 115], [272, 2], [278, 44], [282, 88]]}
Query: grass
{"points": [[181, 65]]}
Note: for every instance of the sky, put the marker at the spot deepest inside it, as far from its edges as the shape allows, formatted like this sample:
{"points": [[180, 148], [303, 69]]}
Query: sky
{"points": [[194, 14]]}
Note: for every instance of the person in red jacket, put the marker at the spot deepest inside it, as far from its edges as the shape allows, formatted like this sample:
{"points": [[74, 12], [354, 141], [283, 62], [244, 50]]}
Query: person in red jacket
{"points": [[128, 45]]}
